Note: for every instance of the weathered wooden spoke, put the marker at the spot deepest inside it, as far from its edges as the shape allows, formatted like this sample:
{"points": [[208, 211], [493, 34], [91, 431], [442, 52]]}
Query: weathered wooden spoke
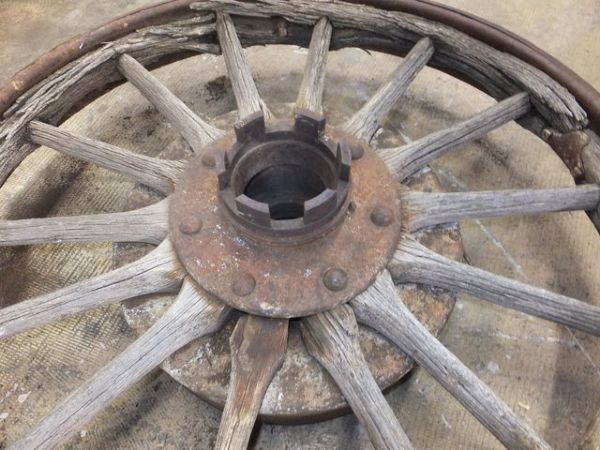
{"points": [[257, 352], [159, 271], [191, 316], [367, 120], [147, 224], [381, 308], [310, 94], [244, 88], [425, 209], [415, 263], [156, 173], [332, 339], [409, 158], [194, 130]]}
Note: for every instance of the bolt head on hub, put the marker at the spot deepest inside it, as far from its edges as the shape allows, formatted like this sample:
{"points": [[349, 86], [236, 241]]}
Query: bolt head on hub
{"points": [[243, 284], [209, 160], [382, 216], [335, 279], [190, 225]]}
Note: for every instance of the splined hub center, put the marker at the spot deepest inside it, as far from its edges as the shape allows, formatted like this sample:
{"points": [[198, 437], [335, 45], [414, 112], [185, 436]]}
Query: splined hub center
{"points": [[277, 219], [285, 185]]}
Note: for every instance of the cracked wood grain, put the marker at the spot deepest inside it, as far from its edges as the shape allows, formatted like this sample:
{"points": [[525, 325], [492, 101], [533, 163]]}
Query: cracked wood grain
{"points": [[423, 209], [310, 94], [147, 225], [246, 95], [408, 159], [381, 308], [414, 263], [501, 74], [191, 316], [159, 271], [332, 339], [194, 130], [366, 121], [258, 347], [55, 97], [153, 172]]}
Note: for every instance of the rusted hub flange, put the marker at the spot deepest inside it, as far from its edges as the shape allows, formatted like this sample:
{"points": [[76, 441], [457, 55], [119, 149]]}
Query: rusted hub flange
{"points": [[299, 265], [301, 390]]}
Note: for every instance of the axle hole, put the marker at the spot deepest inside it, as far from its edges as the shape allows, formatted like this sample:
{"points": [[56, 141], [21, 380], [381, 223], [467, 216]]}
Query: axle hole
{"points": [[285, 188]]}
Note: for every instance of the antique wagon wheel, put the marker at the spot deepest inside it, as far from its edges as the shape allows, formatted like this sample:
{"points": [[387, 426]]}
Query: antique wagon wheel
{"points": [[280, 219]]}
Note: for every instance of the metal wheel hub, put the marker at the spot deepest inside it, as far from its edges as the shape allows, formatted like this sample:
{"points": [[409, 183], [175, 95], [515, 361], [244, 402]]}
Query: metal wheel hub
{"points": [[274, 221], [301, 391]]}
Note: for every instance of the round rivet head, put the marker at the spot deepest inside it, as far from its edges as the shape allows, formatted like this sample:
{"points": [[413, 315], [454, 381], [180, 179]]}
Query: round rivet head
{"points": [[335, 279], [382, 216], [357, 151], [190, 225], [243, 284], [209, 160]]}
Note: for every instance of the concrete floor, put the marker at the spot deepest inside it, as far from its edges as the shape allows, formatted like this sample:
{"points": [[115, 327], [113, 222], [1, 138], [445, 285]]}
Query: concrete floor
{"points": [[548, 374]]}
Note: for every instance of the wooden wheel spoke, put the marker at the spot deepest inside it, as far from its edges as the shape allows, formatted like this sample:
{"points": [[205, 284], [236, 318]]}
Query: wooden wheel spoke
{"points": [[406, 160], [415, 263], [246, 95], [332, 339], [194, 130], [156, 173], [147, 224], [367, 120], [380, 308], [159, 271], [191, 316], [310, 95], [425, 209], [258, 347]]}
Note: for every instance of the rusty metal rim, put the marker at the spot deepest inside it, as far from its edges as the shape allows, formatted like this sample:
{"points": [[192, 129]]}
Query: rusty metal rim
{"points": [[470, 24]]}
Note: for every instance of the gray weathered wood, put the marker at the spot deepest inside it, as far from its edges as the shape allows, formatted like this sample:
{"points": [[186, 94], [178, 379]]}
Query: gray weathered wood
{"points": [[381, 308], [310, 94], [69, 86], [332, 339], [157, 173], [191, 316], [159, 271], [194, 130], [366, 121], [406, 160], [424, 209], [413, 262], [147, 225], [258, 347], [500, 73], [246, 95]]}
